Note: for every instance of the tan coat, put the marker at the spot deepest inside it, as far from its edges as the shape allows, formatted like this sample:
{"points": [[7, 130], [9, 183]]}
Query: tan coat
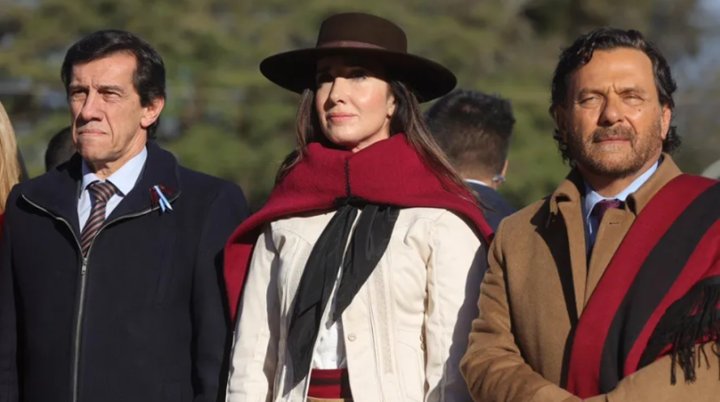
{"points": [[537, 285], [405, 330]]}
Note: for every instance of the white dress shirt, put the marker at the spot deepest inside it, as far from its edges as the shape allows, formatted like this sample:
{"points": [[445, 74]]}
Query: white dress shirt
{"points": [[592, 198], [123, 179], [329, 352]]}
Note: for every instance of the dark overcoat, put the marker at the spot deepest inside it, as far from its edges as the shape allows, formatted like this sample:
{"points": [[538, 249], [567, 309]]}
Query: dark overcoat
{"points": [[495, 207], [143, 316]]}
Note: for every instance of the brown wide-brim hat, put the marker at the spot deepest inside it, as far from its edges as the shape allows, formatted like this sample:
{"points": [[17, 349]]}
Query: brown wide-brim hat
{"points": [[361, 36]]}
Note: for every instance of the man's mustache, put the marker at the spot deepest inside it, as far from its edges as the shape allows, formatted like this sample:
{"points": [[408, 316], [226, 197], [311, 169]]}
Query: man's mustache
{"points": [[612, 133]]}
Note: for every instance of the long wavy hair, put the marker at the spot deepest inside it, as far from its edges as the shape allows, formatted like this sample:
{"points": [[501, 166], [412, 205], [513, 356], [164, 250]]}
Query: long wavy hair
{"points": [[9, 164], [407, 119]]}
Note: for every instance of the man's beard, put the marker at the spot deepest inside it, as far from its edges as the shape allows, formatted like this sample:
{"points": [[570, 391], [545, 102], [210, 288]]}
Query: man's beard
{"points": [[594, 158]]}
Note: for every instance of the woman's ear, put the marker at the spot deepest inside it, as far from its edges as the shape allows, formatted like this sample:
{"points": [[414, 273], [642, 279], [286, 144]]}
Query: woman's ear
{"points": [[390, 105]]}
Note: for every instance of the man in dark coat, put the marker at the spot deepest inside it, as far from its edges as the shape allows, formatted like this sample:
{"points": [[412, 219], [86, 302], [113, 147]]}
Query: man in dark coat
{"points": [[119, 298], [474, 130]]}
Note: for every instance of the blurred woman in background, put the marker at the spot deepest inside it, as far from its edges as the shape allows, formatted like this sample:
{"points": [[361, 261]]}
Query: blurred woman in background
{"points": [[10, 170]]}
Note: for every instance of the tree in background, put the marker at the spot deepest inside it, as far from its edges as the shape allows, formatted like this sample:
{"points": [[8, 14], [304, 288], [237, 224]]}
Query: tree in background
{"points": [[224, 118]]}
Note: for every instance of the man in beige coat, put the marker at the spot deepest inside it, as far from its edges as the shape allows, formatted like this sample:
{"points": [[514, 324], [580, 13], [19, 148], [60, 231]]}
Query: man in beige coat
{"points": [[612, 104]]}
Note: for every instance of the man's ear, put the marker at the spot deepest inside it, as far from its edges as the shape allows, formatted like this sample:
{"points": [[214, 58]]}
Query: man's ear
{"points": [[665, 120], [152, 111], [559, 115]]}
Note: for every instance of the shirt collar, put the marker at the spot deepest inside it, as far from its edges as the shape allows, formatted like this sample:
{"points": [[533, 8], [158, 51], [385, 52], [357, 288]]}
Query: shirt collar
{"points": [[592, 197], [123, 179]]}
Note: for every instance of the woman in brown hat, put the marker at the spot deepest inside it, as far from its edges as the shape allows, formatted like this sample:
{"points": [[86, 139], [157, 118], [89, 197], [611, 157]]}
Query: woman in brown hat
{"points": [[360, 275]]}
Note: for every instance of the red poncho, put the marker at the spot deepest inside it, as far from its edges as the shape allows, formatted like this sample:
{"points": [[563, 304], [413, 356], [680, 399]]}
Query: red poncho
{"points": [[387, 172]]}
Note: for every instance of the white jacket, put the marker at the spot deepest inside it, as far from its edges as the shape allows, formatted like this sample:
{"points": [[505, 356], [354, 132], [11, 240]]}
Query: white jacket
{"points": [[404, 332]]}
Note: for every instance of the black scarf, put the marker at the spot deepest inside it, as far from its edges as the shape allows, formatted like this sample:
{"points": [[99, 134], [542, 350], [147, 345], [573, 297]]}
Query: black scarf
{"points": [[367, 245]]}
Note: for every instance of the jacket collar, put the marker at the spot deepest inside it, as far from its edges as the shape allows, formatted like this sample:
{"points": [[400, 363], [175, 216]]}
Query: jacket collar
{"points": [[569, 190], [58, 190], [161, 169], [572, 188], [667, 171]]}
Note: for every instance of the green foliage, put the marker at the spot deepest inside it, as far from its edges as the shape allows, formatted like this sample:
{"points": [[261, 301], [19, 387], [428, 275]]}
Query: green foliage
{"points": [[222, 117]]}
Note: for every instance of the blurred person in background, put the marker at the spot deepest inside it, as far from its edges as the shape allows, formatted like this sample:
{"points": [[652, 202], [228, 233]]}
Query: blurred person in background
{"points": [[111, 264], [474, 130], [10, 168], [359, 276], [60, 149], [608, 289]]}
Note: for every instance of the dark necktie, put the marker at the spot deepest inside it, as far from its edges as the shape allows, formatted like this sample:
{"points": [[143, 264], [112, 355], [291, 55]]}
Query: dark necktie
{"points": [[100, 193], [601, 207]]}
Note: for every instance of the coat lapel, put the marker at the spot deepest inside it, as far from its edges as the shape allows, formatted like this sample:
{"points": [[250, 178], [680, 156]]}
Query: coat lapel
{"points": [[160, 169], [565, 201], [576, 246], [57, 192]]}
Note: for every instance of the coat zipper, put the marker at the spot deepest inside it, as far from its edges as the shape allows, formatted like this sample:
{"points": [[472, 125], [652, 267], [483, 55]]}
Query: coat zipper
{"points": [[78, 327], [83, 285], [80, 299]]}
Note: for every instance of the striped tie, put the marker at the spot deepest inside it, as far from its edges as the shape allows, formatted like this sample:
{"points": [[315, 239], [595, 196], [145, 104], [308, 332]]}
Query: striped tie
{"points": [[101, 193]]}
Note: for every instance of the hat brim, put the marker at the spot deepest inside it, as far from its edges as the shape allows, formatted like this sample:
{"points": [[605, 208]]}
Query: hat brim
{"points": [[295, 70]]}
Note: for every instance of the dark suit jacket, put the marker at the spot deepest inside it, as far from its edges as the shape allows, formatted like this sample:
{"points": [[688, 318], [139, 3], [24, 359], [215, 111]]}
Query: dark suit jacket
{"points": [[143, 318], [495, 207]]}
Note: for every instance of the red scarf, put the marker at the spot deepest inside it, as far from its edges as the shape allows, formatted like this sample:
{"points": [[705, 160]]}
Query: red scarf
{"points": [[659, 295], [387, 172]]}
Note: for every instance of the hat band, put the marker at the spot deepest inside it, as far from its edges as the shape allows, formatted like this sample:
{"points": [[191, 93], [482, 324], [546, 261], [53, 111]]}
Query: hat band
{"points": [[350, 44]]}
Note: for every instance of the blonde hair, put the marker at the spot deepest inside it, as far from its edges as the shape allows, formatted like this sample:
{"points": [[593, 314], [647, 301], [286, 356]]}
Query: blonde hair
{"points": [[9, 165]]}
